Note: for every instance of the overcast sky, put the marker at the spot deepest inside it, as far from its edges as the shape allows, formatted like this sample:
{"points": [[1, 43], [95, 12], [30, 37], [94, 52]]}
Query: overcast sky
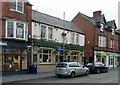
{"points": [[71, 7]]}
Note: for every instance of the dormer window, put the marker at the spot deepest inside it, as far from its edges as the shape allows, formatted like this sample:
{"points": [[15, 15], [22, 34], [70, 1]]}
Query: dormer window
{"points": [[17, 5], [101, 27]]}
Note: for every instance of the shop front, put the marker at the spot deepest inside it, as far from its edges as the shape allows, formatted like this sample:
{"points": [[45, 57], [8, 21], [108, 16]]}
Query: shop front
{"points": [[15, 57], [108, 58], [46, 55]]}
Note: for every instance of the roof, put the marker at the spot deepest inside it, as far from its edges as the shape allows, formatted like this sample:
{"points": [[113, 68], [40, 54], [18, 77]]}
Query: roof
{"points": [[110, 24], [50, 20], [118, 31], [100, 19], [87, 17]]}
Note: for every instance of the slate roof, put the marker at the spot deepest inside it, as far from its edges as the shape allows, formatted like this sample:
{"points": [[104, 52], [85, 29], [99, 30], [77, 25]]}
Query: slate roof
{"points": [[50, 20], [98, 19], [118, 31], [110, 23]]}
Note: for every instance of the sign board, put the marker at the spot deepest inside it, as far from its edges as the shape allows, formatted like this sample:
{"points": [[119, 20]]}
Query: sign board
{"points": [[59, 48]]}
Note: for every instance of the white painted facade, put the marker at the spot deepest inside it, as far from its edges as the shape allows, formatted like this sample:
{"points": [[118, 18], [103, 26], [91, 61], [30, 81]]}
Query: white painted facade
{"points": [[57, 34]]}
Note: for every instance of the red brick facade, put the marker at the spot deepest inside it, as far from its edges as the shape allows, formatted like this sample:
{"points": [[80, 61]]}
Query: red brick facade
{"points": [[8, 13], [91, 31]]}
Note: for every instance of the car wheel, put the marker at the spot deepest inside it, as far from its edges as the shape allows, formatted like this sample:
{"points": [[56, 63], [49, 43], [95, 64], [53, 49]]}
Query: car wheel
{"points": [[98, 71], [72, 75], [87, 73]]}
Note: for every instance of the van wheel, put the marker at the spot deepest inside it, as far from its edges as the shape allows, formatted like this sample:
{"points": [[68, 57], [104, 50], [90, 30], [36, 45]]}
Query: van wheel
{"points": [[72, 75], [98, 71]]}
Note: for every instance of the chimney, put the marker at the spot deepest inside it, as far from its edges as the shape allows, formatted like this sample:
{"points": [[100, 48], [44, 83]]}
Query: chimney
{"points": [[97, 13]]}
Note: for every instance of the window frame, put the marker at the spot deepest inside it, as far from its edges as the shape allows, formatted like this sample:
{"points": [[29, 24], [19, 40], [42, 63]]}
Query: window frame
{"points": [[16, 6], [77, 38], [102, 41], [73, 38], [45, 29], [50, 33], [14, 30], [49, 55]]}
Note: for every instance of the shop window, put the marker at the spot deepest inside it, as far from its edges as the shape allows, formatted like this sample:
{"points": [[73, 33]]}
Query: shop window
{"points": [[24, 59], [45, 56], [16, 59], [7, 59], [111, 63]]}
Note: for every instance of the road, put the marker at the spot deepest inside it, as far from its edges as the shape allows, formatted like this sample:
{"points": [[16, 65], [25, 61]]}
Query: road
{"points": [[110, 77]]}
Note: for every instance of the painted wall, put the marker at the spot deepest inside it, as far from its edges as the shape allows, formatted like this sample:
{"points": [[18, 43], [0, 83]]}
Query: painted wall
{"points": [[57, 34]]}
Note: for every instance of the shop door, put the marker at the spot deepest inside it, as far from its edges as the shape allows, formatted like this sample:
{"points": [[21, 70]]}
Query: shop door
{"points": [[16, 60]]}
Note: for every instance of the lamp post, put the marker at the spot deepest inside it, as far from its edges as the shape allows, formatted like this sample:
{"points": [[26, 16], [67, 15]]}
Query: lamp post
{"points": [[63, 35]]}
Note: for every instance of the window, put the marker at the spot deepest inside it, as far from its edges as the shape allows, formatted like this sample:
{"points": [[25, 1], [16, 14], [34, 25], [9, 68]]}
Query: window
{"points": [[101, 41], [10, 28], [43, 31], [77, 38], [17, 5], [16, 29], [111, 43], [44, 56], [19, 30], [73, 38], [50, 33]]}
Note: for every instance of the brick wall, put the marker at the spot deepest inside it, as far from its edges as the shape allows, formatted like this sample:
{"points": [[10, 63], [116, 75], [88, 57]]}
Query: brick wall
{"points": [[88, 28], [7, 13]]}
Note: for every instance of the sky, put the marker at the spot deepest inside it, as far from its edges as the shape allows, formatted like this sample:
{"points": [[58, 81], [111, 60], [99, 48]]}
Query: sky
{"points": [[57, 8]]}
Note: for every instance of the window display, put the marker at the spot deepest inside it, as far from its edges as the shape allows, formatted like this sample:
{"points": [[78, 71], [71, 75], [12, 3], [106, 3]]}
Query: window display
{"points": [[24, 59]]}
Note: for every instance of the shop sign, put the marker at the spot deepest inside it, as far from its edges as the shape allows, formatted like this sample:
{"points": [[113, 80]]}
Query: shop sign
{"points": [[101, 53], [59, 49]]}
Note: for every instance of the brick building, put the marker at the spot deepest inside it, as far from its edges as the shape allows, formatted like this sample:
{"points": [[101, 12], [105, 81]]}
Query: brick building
{"points": [[101, 41], [16, 27]]}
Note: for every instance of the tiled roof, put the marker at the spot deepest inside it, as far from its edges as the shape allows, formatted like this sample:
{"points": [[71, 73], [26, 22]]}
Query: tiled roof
{"points": [[98, 19], [50, 20]]}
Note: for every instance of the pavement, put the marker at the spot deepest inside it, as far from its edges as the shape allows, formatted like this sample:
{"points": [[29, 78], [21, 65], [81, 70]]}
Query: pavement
{"points": [[21, 77]]}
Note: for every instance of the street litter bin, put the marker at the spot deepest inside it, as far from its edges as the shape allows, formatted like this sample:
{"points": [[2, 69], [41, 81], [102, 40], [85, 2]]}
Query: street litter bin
{"points": [[33, 69]]}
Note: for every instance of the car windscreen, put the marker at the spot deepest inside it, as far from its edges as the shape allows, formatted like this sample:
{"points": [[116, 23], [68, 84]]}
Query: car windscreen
{"points": [[61, 65]]}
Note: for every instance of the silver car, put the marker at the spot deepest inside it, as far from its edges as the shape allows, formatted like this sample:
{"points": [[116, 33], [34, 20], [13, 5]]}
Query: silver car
{"points": [[71, 69]]}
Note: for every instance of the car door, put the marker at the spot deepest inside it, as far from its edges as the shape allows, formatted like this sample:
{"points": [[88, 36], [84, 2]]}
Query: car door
{"points": [[81, 69], [77, 69]]}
